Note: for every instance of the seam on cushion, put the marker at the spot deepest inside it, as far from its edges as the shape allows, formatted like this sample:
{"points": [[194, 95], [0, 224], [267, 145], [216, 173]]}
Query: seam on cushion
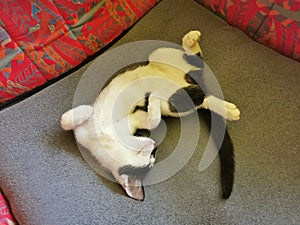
{"points": [[295, 15], [263, 21], [9, 57], [288, 14], [88, 16]]}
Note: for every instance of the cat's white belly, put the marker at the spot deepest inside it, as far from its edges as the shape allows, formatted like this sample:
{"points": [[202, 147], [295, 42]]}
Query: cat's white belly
{"points": [[120, 97]]}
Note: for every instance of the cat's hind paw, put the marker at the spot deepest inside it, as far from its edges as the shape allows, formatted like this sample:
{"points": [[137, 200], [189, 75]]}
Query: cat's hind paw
{"points": [[225, 109]]}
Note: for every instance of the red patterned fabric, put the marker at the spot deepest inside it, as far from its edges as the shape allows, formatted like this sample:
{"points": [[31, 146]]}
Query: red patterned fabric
{"points": [[5, 215], [41, 39], [274, 23]]}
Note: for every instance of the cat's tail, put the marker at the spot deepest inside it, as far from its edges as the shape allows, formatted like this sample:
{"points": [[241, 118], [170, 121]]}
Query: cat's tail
{"points": [[76, 116], [226, 152]]}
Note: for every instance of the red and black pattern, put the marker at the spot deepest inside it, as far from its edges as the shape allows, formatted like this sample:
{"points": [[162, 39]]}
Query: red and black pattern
{"points": [[6, 217], [274, 23], [42, 39]]}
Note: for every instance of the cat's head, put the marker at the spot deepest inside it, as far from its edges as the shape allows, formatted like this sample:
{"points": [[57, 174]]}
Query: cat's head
{"points": [[131, 160]]}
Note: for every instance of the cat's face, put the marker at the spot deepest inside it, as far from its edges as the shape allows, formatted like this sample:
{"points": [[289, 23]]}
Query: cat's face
{"points": [[130, 160]]}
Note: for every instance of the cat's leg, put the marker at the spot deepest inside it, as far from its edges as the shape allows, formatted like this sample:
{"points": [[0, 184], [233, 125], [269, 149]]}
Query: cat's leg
{"points": [[185, 101], [179, 105], [154, 114], [146, 133], [76, 116], [142, 122], [147, 116], [190, 43], [154, 111], [226, 109]]}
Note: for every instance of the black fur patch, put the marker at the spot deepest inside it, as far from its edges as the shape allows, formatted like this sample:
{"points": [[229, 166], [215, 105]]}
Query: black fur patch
{"points": [[186, 99], [139, 172], [153, 153], [189, 79], [145, 106], [142, 133], [199, 55], [194, 60], [196, 76]]}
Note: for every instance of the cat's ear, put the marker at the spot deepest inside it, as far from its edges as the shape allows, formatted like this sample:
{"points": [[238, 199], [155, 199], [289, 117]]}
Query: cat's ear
{"points": [[133, 187]]}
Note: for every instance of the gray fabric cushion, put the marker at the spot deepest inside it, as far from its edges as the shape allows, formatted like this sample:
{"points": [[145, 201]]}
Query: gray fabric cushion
{"points": [[48, 182]]}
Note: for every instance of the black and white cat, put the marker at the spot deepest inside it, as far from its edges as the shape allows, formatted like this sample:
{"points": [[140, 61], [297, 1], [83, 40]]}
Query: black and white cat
{"points": [[116, 128]]}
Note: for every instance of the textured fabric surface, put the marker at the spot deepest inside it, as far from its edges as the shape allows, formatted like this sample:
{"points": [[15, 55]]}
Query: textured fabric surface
{"points": [[47, 181], [274, 23], [41, 40], [6, 217]]}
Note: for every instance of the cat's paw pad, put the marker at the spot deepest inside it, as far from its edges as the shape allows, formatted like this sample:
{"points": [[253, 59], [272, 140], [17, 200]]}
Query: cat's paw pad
{"points": [[232, 111], [190, 40]]}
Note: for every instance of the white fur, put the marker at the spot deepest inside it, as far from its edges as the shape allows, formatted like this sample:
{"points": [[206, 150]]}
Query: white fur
{"points": [[75, 117]]}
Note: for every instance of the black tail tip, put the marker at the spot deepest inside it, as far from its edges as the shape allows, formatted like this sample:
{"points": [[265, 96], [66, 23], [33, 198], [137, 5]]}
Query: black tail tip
{"points": [[226, 192], [225, 196]]}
